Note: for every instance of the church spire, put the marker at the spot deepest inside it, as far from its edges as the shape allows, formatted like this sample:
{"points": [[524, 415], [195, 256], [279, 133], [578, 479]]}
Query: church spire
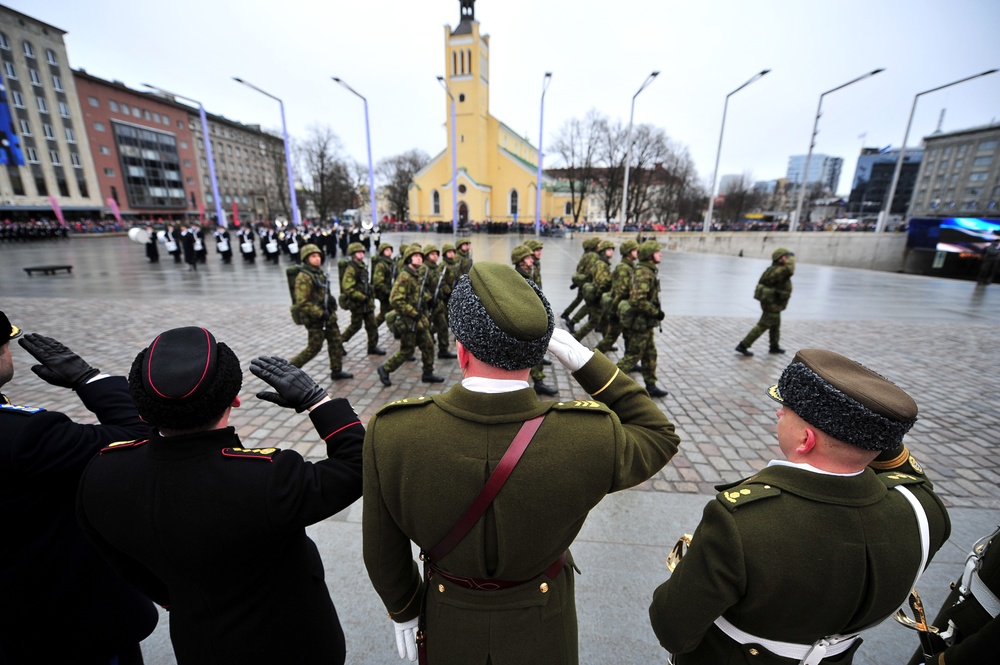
{"points": [[468, 10]]}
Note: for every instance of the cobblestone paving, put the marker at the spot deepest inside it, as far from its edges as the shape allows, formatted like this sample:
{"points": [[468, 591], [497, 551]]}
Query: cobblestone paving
{"points": [[716, 397]]}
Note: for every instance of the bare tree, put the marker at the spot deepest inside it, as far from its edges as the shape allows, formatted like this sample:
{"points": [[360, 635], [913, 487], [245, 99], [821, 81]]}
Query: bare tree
{"points": [[649, 151], [396, 174], [577, 145], [329, 181], [611, 157], [739, 199]]}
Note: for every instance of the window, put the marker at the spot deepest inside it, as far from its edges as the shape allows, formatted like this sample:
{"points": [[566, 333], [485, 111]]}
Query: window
{"points": [[156, 118], [986, 146], [125, 108], [43, 106], [971, 205], [113, 105], [25, 128], [947, 151], [47, 130], [513, 201], [146, 115], [109, 172], [29, 50], [4, 44], [166, 120], [50, 57], [9, 70], [18, 99], [959, 163], [982, 161], [105, 150], [74, 157], [99, 126], [435, 203], [136, 113], [973, 191], [33, 75], [183, 145], [93, 101], [70, 135], [64, 109], [54, 156], [57, 83], [962, 148], [943, 166], [569, 208], [32, 156]]}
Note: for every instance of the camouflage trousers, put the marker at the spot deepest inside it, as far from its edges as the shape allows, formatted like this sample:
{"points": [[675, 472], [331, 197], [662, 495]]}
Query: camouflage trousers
{"points": [[573, 305], [383, 308], [439, 327], [361, 317], [334, 345], [640, 347], [614, 329], [537, 373], [595, 321], [770, 321], [408, 343]]}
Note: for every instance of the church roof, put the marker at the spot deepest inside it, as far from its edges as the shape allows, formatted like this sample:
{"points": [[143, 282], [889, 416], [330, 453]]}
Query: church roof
{"points": [[464, 28]]}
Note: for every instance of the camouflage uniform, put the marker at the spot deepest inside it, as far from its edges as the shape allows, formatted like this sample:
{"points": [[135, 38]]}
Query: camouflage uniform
{"points": [[405, 299], [359, 299], [776, 288], [438, 309], [582, 268], [319, 315], [600, 277], [644, 297], [536, 270], [463, 257], [383, 275], [537, 373], [621, 289]]}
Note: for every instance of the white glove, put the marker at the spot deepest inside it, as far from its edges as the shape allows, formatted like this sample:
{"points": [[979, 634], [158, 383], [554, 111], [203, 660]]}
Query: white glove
{"points": [[406, 639], [567, 350]]}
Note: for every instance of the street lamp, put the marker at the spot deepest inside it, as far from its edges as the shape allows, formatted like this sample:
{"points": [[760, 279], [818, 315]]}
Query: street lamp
{"points": [[368, 137], [220, 216], [288, 149], [718, 152], [538, 187], [812, 143], [454, 166], [883, 215], [628, 147]]}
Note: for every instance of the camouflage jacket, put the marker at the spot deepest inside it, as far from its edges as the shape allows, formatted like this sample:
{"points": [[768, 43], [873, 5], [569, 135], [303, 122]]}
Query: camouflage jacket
{"points": [[464, 262], [644, 295], [405, 294], [621, 281], [451, 277], [383, 269], [536, 272], [600, 273], [354, 284], [777, 283], [586, 264], [311, 291]]}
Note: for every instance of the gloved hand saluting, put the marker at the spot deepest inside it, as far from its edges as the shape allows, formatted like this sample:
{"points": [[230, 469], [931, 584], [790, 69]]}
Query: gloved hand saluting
{"points": [[296, 390], [406, 638], [59, 366], [567, 350]]}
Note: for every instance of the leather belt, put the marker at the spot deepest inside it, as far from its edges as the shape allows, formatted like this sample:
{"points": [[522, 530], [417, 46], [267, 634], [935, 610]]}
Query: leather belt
{"points": [[497, 585]]}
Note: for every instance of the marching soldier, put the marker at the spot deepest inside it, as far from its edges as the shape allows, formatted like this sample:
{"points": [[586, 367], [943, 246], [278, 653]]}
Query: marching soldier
{"points": [[536, 250], [644, 303], [318, 311], [595, 288], [409, 299], [504, 593], [464, 246], [523, 259], [621, 288], [383, 275], [580, 277], [437, 282], [773, 291], [359, 298]]}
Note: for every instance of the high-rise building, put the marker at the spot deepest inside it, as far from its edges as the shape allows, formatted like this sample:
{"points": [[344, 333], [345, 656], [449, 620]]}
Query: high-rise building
{"points": [[45, 158], [873, 177], [823, 170], [960, 174]]}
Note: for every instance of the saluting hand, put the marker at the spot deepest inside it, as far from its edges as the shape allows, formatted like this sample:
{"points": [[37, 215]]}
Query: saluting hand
{"points": [[568, 351], [59, 366], [296, 390]]}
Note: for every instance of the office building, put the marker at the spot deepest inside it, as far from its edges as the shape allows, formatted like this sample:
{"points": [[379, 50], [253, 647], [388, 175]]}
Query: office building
{"points": [[959, 175], [824, 170], [873, 177]]}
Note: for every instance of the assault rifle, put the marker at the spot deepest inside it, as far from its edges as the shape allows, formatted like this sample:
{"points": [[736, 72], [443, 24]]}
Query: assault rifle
{"points": [[437, 289], [420, 300]]}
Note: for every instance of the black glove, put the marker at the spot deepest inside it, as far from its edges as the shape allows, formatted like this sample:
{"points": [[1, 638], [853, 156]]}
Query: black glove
{"points": [[60, 366], [660, 316], [295, 389]]}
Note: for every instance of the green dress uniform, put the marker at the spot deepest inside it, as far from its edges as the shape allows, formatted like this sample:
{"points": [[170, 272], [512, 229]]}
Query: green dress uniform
{"points": [[359, 300], [417, 484], [406, 299], [319, 315]]}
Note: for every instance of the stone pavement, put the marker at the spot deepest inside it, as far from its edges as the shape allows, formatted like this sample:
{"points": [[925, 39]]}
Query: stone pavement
{"points": [[935, 338]]}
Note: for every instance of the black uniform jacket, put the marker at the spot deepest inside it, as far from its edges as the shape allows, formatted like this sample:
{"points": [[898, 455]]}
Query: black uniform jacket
{"points": [[216, 534], [52, 580]]}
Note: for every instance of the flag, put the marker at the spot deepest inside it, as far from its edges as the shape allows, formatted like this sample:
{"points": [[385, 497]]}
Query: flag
{"points": [[10, 146], [885, 149], [114, 209], [55, 208], [201, 212], [236, 215]]}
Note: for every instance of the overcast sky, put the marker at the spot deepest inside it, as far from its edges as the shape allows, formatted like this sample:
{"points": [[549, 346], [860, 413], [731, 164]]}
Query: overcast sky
{"points": [[599, 53]]}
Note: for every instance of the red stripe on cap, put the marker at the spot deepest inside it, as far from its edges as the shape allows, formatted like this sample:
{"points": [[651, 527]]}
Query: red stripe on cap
{"points": [[149, 368], [208, 360]]}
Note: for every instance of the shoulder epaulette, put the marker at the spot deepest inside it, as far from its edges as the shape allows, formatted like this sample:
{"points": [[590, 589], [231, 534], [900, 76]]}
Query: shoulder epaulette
{"points": [[406, 401], [746, 492], [19, 408], [580, 405], [123, 445], [898, 478], [252, 453]]}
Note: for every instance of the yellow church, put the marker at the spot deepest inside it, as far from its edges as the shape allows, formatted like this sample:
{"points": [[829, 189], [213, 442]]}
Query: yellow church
{"points": [[496, 169]]}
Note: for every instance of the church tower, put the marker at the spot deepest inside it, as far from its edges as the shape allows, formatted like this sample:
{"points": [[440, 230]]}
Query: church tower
{"points": [[467, 67]]}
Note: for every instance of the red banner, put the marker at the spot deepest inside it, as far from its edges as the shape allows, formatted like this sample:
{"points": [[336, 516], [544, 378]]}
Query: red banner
{"points": [[236, 215], [114, 209], [201, 212], [56, 209]]}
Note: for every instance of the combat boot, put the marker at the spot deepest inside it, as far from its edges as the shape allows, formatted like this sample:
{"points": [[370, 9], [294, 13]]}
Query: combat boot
{"points": [[543, 389], [383, 375], [546, 361], [445, 354], [338, 374], [431, 377], [740, 348], [776, 349], [376, 351], [655, 391]]}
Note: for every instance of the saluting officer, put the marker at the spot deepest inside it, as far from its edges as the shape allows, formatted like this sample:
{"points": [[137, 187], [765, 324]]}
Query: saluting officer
{"points": [[644, 299], [213, 530], [791, 563], [359, 299], [499, 581]]}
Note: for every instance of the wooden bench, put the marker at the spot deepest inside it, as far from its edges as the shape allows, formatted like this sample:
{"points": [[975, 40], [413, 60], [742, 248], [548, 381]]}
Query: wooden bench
{"points": [[48, 270]]}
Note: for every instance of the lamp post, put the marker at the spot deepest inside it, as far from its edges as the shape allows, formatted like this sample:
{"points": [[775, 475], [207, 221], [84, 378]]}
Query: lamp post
{"points": [[812, 143], [220, 216], [538, 186], [628, 147], [883, 215], [288, 150], [454, 163], [718, 152], [368, 137]]}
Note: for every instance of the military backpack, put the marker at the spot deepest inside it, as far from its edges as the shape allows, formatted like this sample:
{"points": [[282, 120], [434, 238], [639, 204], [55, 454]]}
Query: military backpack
{"points": [[291, 273]]}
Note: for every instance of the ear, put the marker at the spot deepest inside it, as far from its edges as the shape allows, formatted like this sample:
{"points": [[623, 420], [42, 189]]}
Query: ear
{"points": [[807, 442], [236, 402], [463, 354]]}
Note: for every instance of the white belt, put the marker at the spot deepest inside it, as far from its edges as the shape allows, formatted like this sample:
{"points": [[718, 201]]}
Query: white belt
{"points": [[973, 584], [833, 645]]}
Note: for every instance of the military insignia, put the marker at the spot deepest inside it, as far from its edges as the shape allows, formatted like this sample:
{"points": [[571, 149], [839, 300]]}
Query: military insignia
{"points": [[406, 401], [916, 465], [123, 445], [580, 404], [741, 495], [733, 497], [18, 408], [251, 453]]}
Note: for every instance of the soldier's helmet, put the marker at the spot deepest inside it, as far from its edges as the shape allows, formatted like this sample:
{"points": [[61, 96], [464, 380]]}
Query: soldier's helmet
{"points": [[627, 246], [402, 248], [355, 247], [605, 244], [590, 244], [781, 251], [410, 251], [430, 248], [309, 249], [533, 244], [447, 247], [463, 241], [648, 248], [384, 246], [519, 253]]}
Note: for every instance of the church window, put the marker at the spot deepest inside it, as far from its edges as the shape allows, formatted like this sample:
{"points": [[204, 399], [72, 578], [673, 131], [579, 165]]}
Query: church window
{"points": [[454, 63], [468, 56], [513, 201], [569, 208], [436, 202]]}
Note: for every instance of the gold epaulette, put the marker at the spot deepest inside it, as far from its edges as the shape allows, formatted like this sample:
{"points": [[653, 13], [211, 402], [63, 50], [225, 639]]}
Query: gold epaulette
{"points": [[406, 401], [581, 404], [123, 445], [251, 453], [747, 492]]}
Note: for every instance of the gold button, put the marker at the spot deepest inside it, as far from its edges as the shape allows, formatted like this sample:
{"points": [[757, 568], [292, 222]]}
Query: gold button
{"points": [[441, 588], [544, 587], [767, 487], [754, 652]]}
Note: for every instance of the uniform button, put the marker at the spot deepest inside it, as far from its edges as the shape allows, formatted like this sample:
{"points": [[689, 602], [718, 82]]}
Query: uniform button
{"points": [[441, 588], [544, 587], [754, 652], [767, 487]]}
